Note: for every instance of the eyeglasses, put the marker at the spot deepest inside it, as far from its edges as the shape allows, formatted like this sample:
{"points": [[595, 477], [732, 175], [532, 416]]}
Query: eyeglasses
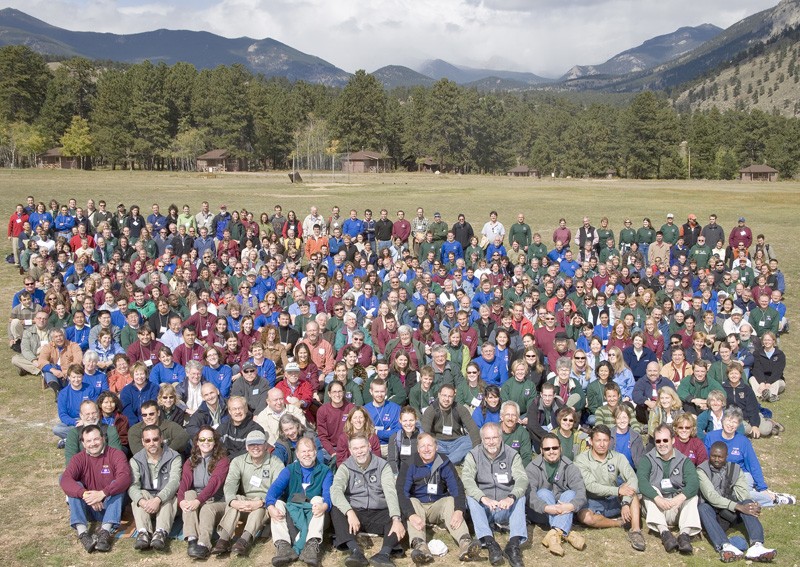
{"points": [[472, 371], [570, 419], [152, 440], [580, 358], [687, 427], [662, 441], [553, 448], [205, 439], [357, 339], [167, 397], [249, 371], [149, 414]]}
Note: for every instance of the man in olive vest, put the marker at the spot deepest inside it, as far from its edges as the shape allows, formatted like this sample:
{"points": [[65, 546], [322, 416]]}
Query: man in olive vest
{"points": [[156, 475], [364, 499], [726, 501], [495, 483], [668, 482]]}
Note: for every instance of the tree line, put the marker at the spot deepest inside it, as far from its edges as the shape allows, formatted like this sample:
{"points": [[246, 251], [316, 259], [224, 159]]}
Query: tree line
{"points": [[157, 116]]}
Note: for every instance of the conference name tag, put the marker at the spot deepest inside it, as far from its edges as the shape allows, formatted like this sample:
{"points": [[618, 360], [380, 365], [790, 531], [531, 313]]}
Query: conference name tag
{"points": [[433, 488], [405, 450], [447, 430], [255, 481], [502, 478]]}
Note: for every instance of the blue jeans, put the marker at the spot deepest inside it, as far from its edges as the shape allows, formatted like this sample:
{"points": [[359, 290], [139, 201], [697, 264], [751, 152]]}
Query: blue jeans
{"points": [[610, 507], [456, 449], [759, 496], [82, 513], [62, 430], [562, 522], [514, 517], [716, 533], [49, 377]]}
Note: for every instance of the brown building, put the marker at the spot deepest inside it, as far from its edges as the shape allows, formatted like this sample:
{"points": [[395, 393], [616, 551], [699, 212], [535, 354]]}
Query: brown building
{"points": [[523, 171], [365, 161], [220, 160], [758, 173], [53, 159]]}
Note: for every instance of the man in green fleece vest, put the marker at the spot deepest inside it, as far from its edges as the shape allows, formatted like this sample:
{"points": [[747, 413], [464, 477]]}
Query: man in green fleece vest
{"points": [[669, 484]]}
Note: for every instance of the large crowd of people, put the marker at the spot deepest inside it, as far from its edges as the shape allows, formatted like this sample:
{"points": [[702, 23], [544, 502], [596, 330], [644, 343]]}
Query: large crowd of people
{"points": [[242, 368]]}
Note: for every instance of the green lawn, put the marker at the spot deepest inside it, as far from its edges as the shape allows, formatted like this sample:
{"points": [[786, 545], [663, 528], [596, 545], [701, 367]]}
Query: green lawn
{"points": [[33, 510]]}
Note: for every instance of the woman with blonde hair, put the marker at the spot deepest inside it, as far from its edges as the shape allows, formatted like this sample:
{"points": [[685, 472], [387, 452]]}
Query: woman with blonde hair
{"points": [[358, 421], [668, 409], [623, 376], [686, 440]]}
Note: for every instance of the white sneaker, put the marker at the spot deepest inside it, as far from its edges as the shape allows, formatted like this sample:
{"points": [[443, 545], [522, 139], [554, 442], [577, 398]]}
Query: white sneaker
{"points": [[781, 498], [760, 554], [729, 553]]}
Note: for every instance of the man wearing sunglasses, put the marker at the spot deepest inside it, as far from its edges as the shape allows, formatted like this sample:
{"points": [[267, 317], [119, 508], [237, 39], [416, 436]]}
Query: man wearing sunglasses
{"points": [[156, 475], [557, 492], [172, 434], [669, 484]]}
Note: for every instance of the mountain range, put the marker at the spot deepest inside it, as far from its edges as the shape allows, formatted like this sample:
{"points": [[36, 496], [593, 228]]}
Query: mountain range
{"points": [[662, 62]]}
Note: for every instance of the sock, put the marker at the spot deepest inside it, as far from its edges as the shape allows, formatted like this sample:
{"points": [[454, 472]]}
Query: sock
{"points": [[107, 527], [81, 529], [352, 545], [515, 541]]}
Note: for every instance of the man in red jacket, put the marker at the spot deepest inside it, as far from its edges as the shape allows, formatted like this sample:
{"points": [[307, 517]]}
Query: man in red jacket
{"points": [[95, 482], [15, 225]]}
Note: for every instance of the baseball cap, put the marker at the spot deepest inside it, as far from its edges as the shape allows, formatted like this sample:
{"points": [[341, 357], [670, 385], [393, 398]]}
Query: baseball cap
{"points": [[248, 366], [292, 367], [670, 216], [255, 438]]}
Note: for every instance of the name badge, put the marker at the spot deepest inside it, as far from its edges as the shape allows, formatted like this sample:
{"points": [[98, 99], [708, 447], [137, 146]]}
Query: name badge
{"points": [[204, 333], [666, 484], [321, 351], [433, 488], [475, 402], [447, 430], [379, 428], [28, 322], [19, 221], [162, 330], [255, 481], [405, 450], [502, 478], [256, 391], [761, 323], [44, 342]]}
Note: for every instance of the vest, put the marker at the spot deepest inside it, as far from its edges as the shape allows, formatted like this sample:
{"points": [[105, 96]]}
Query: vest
{"points": [[723, 479], [162, 468], [296, 482], [493, 477], [675, 476], [364, 490]]}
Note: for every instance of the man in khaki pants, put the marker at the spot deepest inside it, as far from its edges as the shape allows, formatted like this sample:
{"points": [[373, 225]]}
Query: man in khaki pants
{"points": [[430, 492], [156, 476]]}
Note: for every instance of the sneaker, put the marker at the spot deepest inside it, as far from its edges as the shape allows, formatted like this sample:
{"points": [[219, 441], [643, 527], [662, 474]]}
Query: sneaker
{"points": [[142, 541], [222, 547], [311, 552], [241, 547], [87, 541], [356, 559], [104, 541], [420, 553], [637, 540], [759, 553], [778, 428], [159, 541], [781, 498], [773, 398], [729, 554], [685, 543], [381, 560], [669, 541], [576, 540], [495, 553], [61, 444], [469, 549], [514, 555], [284, 554]]}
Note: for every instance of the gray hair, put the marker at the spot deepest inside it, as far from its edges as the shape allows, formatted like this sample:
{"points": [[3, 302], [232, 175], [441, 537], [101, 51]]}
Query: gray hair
{"points": [[509, 404], [733, 412], [563, 362], [90, 356], [195, 365], [403, 329], [487, 427]]}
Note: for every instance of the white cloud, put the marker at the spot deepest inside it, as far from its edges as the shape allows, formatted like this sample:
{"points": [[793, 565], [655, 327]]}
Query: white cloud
{"points": [[544, 36]]}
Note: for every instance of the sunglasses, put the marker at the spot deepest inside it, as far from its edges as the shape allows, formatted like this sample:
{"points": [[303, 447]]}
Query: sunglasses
{"points": [[167, 397], [152, 440], [250, 371], [149, 414], [580, 358], [553, 448], [661, 441], [205, 439]]}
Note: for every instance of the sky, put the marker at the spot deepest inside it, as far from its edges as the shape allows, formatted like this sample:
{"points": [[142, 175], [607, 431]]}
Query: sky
{"points": [[546, 37]]}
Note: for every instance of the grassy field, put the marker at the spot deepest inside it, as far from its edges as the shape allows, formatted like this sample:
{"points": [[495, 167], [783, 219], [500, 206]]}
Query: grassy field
{"points": [[32, 508]]}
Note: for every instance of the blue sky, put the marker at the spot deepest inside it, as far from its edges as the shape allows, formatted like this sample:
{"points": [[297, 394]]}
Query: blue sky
{"points": [[546, 37]]}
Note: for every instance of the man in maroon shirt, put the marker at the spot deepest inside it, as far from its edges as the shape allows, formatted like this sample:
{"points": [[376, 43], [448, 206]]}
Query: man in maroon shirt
{"points": [[95, 482], [190, 349], [146, 348], [331, 417], [401, 228]]}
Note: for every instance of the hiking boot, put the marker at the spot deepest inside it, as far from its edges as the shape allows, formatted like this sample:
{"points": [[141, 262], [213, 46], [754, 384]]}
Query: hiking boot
{"points": [[104, 541], [685, 543], [284, 554], [142, 541], [760, 554], [637, 540], [495, 553], [669, 541], [552, 541], [87, 541], [420, 554], [576, 540], [729, 554], [356, 559], [311, 552], [469, 549], [222, 547], [514, 554], [159, 541], [197, 550], [241, 547], [381, 560]]}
